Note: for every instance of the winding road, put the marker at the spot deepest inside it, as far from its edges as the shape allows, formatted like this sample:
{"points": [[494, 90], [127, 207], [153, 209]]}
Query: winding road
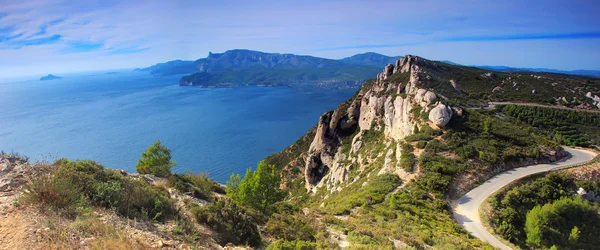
{"points": [[466, 209]]}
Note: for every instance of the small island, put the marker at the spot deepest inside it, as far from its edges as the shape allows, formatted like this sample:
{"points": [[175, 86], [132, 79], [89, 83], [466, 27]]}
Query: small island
{"points": [[49, 77]]}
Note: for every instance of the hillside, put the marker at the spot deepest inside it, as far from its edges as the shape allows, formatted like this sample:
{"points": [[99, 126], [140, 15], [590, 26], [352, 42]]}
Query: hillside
{"points": [[581, 72], [250, 68], [382, 167]]}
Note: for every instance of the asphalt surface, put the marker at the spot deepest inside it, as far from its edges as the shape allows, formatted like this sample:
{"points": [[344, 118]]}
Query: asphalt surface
{"points": [[466, 209]]}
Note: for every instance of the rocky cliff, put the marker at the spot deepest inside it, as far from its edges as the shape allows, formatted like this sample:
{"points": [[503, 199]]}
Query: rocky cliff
{"points": [[385, 104]]}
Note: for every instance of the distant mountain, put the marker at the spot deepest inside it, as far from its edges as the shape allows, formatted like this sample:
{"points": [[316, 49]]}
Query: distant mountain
{"points": [[246, 67], [176, 67], [370, 58], [49, 77], [580, 72]]}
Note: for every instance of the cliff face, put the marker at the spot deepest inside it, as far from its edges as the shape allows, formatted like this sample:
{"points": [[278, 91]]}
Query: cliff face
{"points": [[385, 104]]}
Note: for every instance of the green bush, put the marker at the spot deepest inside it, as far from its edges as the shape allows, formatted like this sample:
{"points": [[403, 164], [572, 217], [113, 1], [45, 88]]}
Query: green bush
{"points": [[356, 194], [54, 192], [293, 245], [108, 188], [561, 224], [258, 190], [156, 160], [232, 222], [418, 137], [360, 238], [421, 144], [200, 186], [510, 207], [290, 227], [407, 158]]}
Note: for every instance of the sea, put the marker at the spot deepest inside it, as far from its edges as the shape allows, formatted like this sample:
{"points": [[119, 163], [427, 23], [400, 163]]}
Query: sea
{"points": [[112, 117]]}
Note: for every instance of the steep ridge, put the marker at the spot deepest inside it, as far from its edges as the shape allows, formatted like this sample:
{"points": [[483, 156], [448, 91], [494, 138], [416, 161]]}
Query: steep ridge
{"points": [[402, 144]]}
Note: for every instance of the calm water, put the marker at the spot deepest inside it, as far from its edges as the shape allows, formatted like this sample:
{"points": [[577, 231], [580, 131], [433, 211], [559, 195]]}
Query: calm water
{"points": [[112, 118]]}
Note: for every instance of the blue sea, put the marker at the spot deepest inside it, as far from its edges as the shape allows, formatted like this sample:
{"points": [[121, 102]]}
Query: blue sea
{"points": [[113, 117]]}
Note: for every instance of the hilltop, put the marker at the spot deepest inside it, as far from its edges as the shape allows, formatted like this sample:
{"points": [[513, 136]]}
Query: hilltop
{"points": [[49, 77]]}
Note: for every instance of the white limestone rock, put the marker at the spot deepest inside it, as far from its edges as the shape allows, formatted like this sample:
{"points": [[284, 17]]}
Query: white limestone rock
{"points": [[440, 115]]}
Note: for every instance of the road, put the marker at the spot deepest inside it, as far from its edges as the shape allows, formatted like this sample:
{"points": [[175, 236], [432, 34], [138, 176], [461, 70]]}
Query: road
{"points": [[492, 105], [466, 209]]}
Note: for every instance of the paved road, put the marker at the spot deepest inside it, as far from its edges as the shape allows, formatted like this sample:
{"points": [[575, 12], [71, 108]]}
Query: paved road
{"points": [[492, 105], [466, 209]]}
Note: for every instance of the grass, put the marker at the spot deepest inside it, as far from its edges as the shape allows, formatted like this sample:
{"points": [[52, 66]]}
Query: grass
{"points": [[74, 185], [356, 194]]}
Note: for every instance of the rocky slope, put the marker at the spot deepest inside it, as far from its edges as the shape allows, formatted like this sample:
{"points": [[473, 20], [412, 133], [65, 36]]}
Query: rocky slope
{"points": [[382, 105], [387, 104], [24, 225], [385, 162]]}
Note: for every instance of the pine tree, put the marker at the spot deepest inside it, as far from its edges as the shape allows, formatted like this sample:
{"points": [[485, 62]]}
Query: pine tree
{"points": [[156, 160]]}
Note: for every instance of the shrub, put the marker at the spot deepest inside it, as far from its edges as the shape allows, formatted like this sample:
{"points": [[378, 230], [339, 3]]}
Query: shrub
{"points": [[407, 158], [356, 194], [290, 227], [421, 144], [293, 245], [558, 223], [200, 186], [54, 192], [258, 190], [360, 238], [107, 188], [156, 160], [418, 137], [232, 222]]}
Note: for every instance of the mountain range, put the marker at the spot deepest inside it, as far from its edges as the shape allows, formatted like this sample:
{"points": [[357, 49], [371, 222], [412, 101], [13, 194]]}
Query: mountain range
{"points": [[241, 67], [246, 67]]}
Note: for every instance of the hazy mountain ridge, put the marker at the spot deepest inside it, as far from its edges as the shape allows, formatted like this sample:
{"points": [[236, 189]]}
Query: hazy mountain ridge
{"points": [[246, 67], [49, 77]]}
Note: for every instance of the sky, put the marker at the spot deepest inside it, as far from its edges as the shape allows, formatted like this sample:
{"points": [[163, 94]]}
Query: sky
{"points": [[53, 36]]}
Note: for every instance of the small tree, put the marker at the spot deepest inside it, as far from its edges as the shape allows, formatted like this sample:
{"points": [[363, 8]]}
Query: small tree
{"points": [[156, 160], [258, 189]]}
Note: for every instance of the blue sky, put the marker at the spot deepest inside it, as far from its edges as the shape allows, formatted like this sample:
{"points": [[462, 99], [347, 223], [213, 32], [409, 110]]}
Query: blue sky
{"points": [[54, 36]]}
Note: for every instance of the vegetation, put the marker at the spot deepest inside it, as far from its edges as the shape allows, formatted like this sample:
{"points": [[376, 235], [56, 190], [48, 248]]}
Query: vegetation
{"points": [[233, 223], [290, 224], [543, 212], [356, 194], [258, 189], [569, 223], [407, 158], [75, 184], [199, 186], [412, 216], [156, 160], [476, 86], [567, 127], [293, 245]]}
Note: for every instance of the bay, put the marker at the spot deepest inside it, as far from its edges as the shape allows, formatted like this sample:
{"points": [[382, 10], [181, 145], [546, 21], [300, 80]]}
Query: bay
{"points": [[112, 117]]}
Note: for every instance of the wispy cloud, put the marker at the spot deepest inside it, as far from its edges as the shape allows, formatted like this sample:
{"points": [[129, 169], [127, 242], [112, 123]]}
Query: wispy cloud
{"points": [[125, 51], [366, 46], [62, 33], [480, 38], [559, 36], [81, 46]]}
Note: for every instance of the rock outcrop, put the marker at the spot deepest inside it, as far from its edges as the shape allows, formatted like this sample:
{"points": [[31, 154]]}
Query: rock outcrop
{"points": [[386, 105], [440, 115]]}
